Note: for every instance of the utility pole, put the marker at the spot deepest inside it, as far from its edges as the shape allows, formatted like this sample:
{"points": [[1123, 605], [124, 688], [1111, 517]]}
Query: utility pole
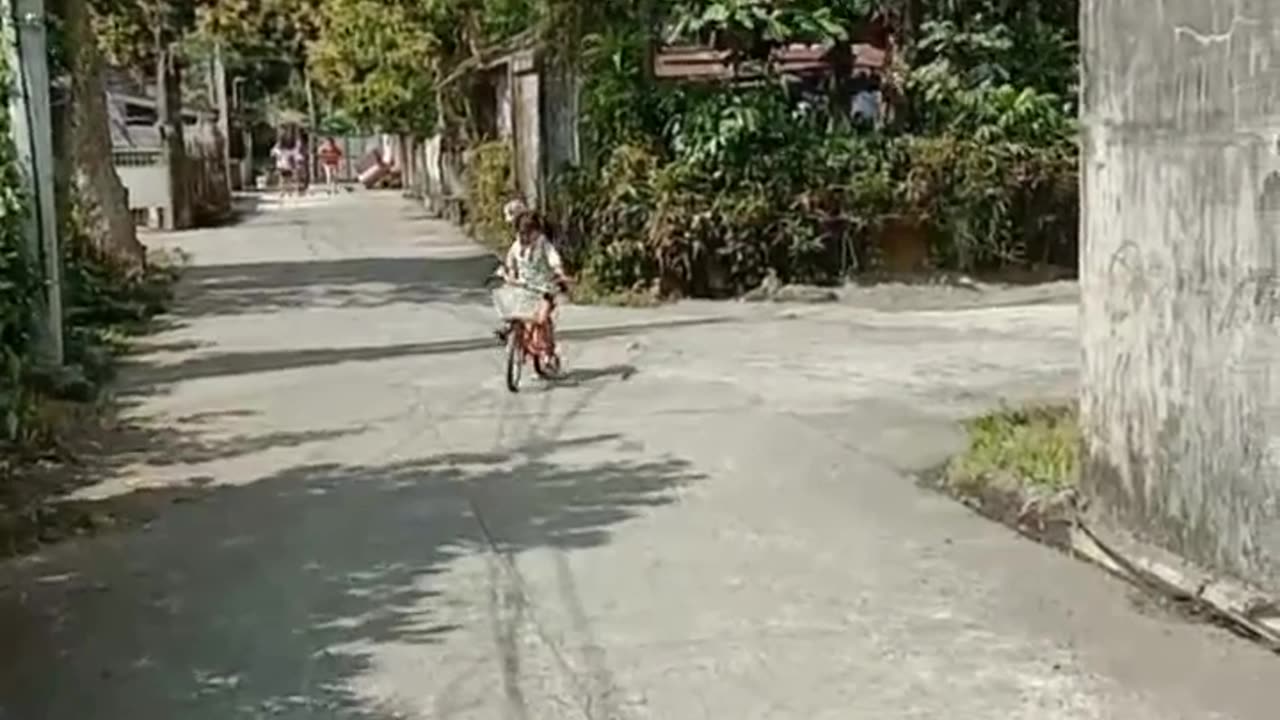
{"points": [[246, 131], [31, 120], [313, 160], [224, 112]]}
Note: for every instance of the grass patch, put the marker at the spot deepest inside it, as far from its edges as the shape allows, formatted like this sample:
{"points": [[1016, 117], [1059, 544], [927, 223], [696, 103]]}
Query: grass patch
{"points": [[1035, 447]]}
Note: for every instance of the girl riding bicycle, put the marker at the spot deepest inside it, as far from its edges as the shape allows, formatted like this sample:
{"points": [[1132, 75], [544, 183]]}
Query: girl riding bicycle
{"points": [[534, 262]]}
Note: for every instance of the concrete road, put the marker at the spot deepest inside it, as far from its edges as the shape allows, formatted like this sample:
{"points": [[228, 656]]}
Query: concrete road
{"points": [[714, 516]]}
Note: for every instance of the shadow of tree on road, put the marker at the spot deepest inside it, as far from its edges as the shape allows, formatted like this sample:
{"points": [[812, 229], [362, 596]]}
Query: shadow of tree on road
{"points": [[275, 599], [148, 443], [347, 283], [34, 510]]}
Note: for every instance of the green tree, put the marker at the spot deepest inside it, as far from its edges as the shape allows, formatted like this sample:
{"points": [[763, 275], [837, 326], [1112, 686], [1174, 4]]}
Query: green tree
{"points": [[375, 59], [265, 42], [1024, 43], [753, 26], [131, 33], [381, 61], [276, 29]]}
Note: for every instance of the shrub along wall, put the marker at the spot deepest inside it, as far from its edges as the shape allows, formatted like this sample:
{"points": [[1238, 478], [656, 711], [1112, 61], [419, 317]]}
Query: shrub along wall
{"points": [[104, 293], [713, 207], [490, 183], [705, 190], [18, 284]]}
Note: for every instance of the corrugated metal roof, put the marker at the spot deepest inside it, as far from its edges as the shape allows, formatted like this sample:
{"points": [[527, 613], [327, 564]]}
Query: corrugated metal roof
{"points": [[704, 63]]}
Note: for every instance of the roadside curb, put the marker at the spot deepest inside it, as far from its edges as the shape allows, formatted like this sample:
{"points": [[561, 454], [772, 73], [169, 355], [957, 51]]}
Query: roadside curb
{"points": [[1232, 603], [1062, 521]]}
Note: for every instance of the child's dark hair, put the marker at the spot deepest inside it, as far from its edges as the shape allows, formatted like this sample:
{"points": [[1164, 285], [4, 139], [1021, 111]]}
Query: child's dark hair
{"points": [[529, 222]]}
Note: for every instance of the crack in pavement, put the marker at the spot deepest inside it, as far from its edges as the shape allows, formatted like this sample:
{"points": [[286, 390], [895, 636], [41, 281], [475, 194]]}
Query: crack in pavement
{"points": [[511, 604]]}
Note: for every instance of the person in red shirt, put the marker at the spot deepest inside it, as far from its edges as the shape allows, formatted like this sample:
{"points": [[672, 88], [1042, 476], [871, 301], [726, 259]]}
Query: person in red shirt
{"points": [[330, 156]]}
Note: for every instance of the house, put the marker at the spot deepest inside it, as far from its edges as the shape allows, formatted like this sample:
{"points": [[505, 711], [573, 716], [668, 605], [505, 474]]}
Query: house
{"points": [[866, 66], [520, 95], [143, 162]]}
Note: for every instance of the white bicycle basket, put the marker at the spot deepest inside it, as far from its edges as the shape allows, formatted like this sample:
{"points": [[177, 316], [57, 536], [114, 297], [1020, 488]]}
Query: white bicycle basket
{"points": [[516, 303]]}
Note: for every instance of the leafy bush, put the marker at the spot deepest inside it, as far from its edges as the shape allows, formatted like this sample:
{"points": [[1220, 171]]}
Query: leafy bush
{"points": [[706, 190], [619, 106], [104, 300], [993, 164], [704, 225], [19, 286], [490, 185], [742, 184], [995, 203]]}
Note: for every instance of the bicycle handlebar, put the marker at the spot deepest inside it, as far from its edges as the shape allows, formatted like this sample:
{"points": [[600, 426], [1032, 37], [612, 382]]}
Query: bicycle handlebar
{"points": [[561, 285]]}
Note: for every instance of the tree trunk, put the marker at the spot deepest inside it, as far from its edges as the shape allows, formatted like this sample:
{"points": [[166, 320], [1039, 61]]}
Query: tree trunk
{"points": [[169, 97], [83, 135], [914, 19], [841, 95]]}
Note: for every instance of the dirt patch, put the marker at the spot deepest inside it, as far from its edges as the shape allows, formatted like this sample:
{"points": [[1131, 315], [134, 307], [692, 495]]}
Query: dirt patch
{"points": [[35, 509], [1042, 515], [907, 293]]}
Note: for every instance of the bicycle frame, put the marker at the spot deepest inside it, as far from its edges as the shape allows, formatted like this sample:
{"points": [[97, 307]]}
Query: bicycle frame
{"points": [[530, 341], [531, 337], [537, 340]]}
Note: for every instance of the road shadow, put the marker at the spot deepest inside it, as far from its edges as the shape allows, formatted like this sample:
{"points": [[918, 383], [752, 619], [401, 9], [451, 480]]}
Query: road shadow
{"points": [[146, 346], [35, 513], [244, 208], [349, 283], [143, 377], [274, 599]]}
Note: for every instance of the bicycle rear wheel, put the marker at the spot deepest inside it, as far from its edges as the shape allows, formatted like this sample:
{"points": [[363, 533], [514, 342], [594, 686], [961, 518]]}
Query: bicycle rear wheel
{"points": [[546, 362], [547, 367], [515, 357]]}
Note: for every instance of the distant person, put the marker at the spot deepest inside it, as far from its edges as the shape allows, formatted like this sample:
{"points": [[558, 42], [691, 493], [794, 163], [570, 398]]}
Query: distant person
{"points": [[285, 155], [302, 161], [330, 157]]}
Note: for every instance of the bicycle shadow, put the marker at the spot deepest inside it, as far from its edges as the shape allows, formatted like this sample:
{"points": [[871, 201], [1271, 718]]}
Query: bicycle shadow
{"points": [[577, 377]]}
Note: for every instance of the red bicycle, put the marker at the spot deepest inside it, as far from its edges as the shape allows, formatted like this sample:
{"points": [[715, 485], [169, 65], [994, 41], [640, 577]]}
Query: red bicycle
{"points": [[528, 341]]}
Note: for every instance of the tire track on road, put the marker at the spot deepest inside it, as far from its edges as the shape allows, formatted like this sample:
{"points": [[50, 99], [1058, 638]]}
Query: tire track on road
{"points": [[511, 602]]}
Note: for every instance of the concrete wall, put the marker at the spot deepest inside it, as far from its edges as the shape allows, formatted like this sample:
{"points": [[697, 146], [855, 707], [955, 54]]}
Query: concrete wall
{"points": [[354, 150], [503, 98], [528, 135], [1181, 186], [443, 183], [150, 183], [146, 177]]}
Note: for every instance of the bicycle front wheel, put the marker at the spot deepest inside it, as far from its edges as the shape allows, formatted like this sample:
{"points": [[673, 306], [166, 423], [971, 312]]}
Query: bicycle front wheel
{"points": [[515, 357]]}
